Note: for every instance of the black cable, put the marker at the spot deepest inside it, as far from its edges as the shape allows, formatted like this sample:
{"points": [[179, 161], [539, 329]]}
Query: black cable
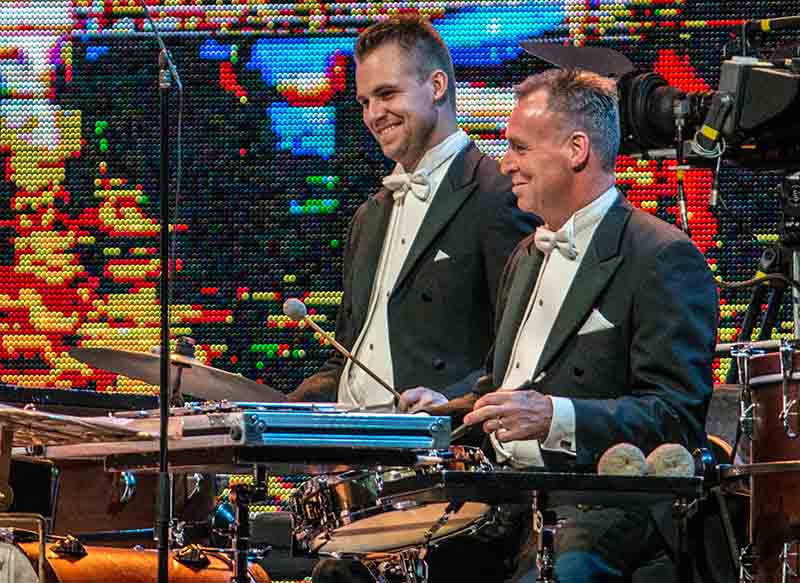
{"points": [[741, 226]]}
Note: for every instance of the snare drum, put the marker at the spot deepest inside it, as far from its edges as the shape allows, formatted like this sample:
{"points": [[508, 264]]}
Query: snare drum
{"points": [[387, 509]]}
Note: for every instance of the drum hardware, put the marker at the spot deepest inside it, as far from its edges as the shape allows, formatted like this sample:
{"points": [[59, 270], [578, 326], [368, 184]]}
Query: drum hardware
{"points": [[748, 564], [545, 557], [192, 556], [408, 564], [727, 526], [123, 488], [787, 352], [413, 566], [723, 349], [789, 562], [742, 354], [451, 509], [683, 510], [68, 546], [775, 260], [194, 482], [241, 496]]}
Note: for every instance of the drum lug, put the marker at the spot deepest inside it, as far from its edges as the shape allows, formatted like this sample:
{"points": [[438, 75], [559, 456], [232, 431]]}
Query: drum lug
{"points": [[742, 353], [69, 546], [787, 353], [789, 562], [193, 483], [748, 564], [379, 482], [177, 533], [192, 556]]}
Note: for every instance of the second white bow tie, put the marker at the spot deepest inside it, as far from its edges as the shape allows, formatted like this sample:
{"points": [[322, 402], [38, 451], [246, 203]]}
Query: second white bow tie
{"points": [[547, 240], [417, 183]]}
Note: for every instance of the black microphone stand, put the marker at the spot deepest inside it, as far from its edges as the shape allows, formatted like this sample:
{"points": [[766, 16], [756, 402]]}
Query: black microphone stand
{"points": [[164, 487], [167, 76]]}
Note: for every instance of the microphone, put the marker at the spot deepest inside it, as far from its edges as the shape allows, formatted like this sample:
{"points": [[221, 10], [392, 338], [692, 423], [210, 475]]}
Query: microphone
{"points": [[296, 310]]}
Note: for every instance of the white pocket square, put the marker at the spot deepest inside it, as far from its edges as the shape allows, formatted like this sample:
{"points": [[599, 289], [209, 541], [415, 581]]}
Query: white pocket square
{"points": [[440, 256], [595, 323]]}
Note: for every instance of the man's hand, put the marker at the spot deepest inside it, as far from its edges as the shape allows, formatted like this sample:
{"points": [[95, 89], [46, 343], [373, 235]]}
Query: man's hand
{"points": [[420, 399], [513, 415]]}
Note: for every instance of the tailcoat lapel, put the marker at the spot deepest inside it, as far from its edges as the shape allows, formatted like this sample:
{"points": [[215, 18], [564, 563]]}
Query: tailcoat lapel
{"points": [[374, 224], [597, 268], [458, 185]]}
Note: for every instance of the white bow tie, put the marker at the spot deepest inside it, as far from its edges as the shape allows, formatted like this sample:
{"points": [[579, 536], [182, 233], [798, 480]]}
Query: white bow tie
{"points": [[546, 240], [417, 183]]}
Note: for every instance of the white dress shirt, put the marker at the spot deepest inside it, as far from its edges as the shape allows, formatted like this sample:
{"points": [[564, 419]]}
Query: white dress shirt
{"points": [[372, 346], [556, 276]]}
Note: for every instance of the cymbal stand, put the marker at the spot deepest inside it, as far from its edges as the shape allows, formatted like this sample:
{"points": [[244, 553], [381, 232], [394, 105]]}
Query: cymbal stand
{"points": [[783, 259], [773, 260], [241, 495]]}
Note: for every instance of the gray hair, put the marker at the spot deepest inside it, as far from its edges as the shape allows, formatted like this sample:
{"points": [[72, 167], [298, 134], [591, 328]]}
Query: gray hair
{"points": [[588, 100]]}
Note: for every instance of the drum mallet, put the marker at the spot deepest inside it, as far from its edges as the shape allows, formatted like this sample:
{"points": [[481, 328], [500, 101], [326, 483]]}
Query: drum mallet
{"points": [[296, 310]]}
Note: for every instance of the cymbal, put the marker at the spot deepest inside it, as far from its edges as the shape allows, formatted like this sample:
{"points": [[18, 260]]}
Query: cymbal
{"points": [[197, 379]]}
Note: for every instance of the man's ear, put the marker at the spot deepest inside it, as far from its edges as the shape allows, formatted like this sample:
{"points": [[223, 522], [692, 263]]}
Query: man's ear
{"points": [[441, 83], [579, 148]]}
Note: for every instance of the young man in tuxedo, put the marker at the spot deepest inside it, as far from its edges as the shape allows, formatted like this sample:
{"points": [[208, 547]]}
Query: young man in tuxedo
{"points": [[424, 254], [606, 329]]}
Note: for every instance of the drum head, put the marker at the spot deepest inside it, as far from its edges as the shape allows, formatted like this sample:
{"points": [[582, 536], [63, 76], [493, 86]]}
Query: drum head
{"points": [[15, 565], [398, 529]]}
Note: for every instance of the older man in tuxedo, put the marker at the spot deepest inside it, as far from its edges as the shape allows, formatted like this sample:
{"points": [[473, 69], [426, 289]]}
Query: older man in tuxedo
{"points": [[606, 328]]}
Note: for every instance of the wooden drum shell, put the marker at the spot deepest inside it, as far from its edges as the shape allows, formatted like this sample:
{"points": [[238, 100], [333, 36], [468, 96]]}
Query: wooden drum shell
{"points": [[106, 564]]}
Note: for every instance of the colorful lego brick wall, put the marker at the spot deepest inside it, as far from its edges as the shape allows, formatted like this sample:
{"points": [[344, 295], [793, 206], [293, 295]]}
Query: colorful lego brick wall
{"points": [[275, 160]]}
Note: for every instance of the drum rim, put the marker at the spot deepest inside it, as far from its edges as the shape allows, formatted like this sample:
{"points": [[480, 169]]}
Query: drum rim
{"points": [[314, 502], [772, 379], [766, 368], [486, 515], [432, 461], [759, 468]]}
